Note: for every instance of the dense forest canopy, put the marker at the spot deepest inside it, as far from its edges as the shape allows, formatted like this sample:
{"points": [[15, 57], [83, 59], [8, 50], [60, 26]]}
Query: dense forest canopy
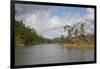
{"points": [[25, 36]]}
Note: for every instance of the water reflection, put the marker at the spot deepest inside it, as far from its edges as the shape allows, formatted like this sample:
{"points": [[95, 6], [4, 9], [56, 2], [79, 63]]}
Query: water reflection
{"points": [[50, 53]]}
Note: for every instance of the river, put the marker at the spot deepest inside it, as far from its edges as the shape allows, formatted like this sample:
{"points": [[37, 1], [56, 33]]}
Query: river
{"points": [[50, 53]]}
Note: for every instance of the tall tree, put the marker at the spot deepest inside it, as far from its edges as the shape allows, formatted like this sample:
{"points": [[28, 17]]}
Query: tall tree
{"points": [[82, 31]]}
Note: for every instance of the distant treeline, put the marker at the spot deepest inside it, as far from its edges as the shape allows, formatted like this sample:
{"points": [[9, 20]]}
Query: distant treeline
{"points": [[25, 36]]}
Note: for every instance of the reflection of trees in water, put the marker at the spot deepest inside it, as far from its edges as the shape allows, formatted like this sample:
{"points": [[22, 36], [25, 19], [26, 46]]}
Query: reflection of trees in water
{"points": [[76, 55]]}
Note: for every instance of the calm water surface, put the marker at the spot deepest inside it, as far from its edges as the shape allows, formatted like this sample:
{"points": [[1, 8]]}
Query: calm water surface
{"points": [[50, 53]]}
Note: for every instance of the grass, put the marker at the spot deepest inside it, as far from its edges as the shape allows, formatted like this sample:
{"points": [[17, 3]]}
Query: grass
{"points": [[79, 46]]}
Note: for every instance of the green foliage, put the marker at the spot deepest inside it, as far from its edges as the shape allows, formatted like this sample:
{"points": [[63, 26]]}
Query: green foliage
{"points": [[25, 36], [78, 30]]}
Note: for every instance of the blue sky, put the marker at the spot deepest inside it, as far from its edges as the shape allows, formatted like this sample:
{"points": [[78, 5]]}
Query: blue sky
{"points": [[58, 11], [49, 21]]}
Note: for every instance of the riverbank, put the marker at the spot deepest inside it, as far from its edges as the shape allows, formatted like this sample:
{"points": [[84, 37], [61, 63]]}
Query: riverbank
{"points": [[78, 46]]}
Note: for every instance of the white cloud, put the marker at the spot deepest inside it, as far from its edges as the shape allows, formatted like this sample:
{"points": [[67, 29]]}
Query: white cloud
{"points": [[55, 28], [55, 22], [90, 15], [90, 10], [38, 21], [89, 18], [51, 27]]}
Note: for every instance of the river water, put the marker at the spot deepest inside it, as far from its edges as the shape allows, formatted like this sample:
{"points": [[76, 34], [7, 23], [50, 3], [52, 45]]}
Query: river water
{"points": [[50, 53]]}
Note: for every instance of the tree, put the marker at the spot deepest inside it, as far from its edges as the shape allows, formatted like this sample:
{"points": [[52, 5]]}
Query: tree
{"points": [[25, 36], [69, 29], [82, 32], [62, 37]]}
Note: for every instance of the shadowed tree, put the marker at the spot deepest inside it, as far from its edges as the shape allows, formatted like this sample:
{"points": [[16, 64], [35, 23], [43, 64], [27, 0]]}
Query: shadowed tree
{"points": [[66, 27], [62, 37], [82, 31], [69, 29]]}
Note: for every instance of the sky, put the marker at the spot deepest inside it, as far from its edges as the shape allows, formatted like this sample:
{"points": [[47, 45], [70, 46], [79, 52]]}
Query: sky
{"points": [[49, 21]]}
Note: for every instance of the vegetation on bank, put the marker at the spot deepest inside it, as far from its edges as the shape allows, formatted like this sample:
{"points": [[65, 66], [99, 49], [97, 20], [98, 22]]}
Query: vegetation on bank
{"points": [[25, 36], [76, 38], [79, 46]]}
